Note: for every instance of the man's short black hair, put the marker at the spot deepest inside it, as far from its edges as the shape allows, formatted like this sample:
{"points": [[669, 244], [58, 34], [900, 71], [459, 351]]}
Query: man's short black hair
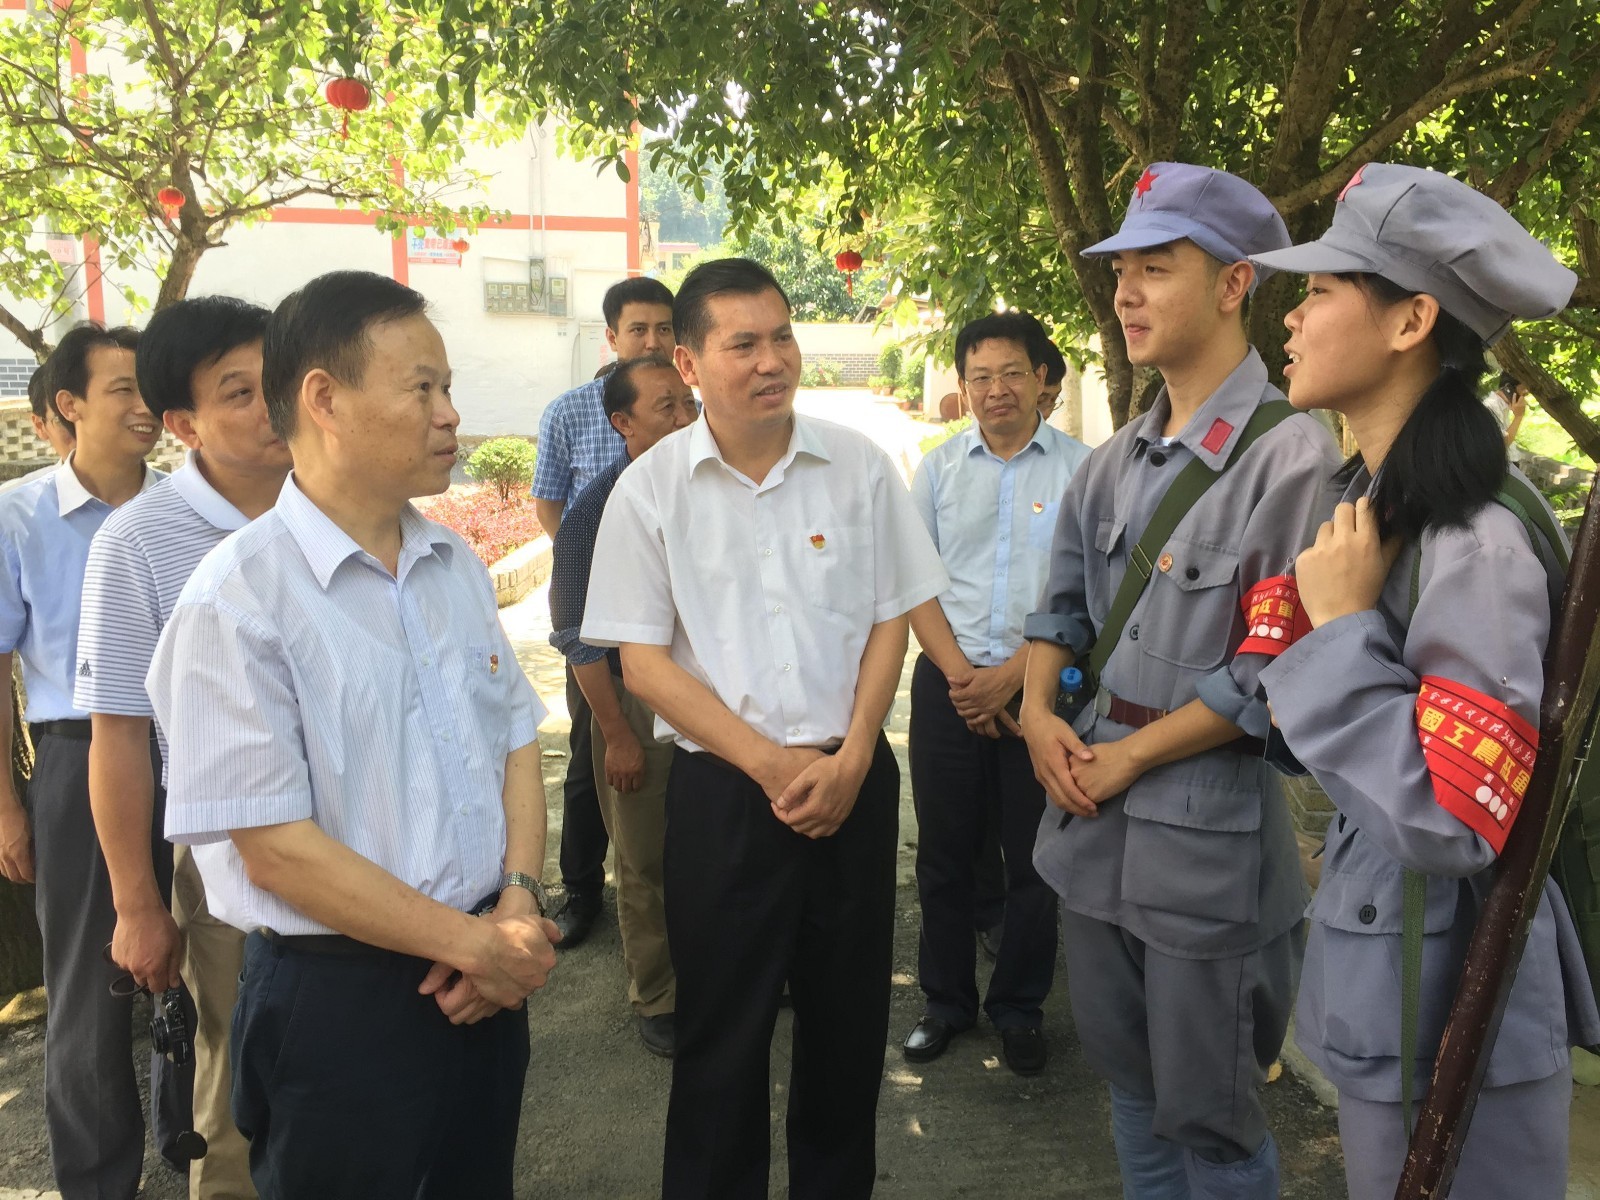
{"points": [[186, 336], [691, 319], [39, 392], [67, 368], [622, 391], [1013, 325], [639, 290], [1509, 383], [325, 326]]}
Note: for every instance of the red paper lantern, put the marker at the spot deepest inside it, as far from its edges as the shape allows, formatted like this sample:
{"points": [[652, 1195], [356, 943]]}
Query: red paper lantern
{"points": [[171, 201], [460, 246], [349, 95], [849, 262]]}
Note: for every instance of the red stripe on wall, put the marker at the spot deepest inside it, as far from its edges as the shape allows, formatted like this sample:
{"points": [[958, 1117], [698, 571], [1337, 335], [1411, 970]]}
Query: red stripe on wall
{"points": [[350, 216], [94, 291], [632, 160]]}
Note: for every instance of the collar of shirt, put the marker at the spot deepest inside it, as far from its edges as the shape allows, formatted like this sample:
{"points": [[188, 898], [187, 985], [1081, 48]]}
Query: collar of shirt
{"points": [[1211, 433], [803, 439], [975, 442], [197, 492], [71, 495], [326, 546]]}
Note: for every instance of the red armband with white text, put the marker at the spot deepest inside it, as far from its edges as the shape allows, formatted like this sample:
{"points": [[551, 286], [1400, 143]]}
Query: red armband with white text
{"points": [[1480, 755], [1273, 617]]}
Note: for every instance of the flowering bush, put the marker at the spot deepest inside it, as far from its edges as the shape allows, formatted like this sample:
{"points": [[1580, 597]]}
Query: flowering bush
{"points": [[491, 528]]}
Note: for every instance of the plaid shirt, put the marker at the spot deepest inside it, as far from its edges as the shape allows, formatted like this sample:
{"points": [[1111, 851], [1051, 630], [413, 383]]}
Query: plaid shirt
{"points": [[576, 443]]}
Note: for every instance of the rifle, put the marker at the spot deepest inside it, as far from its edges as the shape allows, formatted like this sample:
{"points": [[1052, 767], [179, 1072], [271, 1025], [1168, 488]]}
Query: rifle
{"points": [[1567, 716]]}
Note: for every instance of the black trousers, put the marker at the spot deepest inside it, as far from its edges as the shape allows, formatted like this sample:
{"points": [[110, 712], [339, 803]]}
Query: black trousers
{"points": [[351, 1086], [583, 831], [752, 904], [958, 779], [91, 1095]]}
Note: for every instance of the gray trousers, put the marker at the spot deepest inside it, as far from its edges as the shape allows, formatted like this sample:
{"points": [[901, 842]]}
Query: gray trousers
{"points": [[91, 1094], [1195, 1036], [1516, 1145]]}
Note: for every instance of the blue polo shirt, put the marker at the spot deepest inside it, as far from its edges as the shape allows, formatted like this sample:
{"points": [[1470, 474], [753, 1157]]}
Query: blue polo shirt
{"points": [[46, 526]]}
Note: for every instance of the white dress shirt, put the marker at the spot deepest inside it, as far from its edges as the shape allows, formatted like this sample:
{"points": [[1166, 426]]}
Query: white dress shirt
{"points": [[765, 592], [297, 679]]}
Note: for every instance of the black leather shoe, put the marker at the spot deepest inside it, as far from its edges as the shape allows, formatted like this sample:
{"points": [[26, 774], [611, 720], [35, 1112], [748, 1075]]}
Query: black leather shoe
{"points": [[989, 939], [1024, 1050], [929, 1038], [659, 1035], [575, 918]]}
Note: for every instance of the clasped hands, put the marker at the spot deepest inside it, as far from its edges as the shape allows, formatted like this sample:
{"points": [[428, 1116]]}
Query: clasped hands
{"points": [[516, 958], [1075, 777]]}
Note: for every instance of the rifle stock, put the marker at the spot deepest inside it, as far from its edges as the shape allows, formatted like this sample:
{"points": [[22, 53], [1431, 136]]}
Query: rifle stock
{"points": [[1566, 722]]}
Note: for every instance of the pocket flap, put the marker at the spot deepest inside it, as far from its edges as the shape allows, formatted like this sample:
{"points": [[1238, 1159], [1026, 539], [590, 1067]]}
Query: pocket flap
{"points": [[1374, 904], [1196, 565], [1196, 805], [1108, 535]]}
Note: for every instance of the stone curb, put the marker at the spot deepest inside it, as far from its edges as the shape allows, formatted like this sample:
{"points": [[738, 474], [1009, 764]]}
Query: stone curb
{"points": [[519, 572]]}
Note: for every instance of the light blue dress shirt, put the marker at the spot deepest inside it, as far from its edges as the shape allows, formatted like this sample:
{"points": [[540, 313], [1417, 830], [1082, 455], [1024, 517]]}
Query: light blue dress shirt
{"points": [[46, 526], [992, 520], [299, 680], [576, 442]]}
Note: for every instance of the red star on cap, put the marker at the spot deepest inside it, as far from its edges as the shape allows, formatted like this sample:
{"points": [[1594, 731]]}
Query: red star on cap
{"points": [[1146, 181], [1355, 181]]}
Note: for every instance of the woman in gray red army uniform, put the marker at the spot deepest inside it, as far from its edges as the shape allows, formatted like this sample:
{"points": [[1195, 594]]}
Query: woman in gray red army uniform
{"points": [[1412, 693]]}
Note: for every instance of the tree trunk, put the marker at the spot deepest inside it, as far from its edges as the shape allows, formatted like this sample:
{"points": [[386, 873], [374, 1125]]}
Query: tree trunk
{"points": [[21, 953], [1556, 400], [180, 271]]}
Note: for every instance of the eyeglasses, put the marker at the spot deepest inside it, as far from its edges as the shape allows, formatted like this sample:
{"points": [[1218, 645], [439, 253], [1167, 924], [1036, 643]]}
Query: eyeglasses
{"points": [[981, 384]]}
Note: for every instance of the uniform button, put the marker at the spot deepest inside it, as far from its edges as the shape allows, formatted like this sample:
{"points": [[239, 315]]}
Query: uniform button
{"points": [[1134, 633], [1158, 459], [795, 731], [426, 661], [777, 608], [1367, 915], [767, 552], [786, 666], [1192, 573], [444, 737]]}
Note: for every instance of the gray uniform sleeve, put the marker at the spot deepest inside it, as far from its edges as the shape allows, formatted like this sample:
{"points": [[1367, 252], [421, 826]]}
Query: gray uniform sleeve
{"points": [[1063, 615], [1274, 533], [1389, 731]]}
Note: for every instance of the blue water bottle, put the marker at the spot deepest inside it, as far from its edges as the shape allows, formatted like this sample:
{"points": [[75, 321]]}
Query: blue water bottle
{"points": [[1071, 698]]}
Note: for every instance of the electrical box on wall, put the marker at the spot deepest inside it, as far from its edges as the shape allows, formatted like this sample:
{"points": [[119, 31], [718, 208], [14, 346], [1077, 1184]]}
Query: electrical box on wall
{"points": [[558, 296], [515, 285]]}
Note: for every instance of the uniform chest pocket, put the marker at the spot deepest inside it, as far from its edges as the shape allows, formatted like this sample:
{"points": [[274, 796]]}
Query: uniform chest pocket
{"points": [[1194, 849], [836, 562], [1192, 607], [1108, 535]]}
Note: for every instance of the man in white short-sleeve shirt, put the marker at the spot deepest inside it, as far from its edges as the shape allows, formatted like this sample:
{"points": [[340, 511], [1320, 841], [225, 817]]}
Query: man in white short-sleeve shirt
{"points": [[756, 569], [352, 742]]}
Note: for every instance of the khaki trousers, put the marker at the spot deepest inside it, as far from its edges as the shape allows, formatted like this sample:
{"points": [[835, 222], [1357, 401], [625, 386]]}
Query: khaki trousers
{"points": [[637, 825], [213, 956]]}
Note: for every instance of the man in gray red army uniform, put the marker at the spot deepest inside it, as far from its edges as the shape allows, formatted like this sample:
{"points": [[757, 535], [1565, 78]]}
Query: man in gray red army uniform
{"points": [[1180, 882]]}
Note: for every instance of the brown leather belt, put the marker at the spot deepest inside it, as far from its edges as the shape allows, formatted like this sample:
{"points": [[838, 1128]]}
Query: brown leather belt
{"points": [[1137, 716]]}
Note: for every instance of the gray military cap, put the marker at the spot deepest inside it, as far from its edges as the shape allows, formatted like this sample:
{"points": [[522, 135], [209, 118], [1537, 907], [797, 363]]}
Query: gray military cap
{"points": [[1427, 232], [1221, 213]]}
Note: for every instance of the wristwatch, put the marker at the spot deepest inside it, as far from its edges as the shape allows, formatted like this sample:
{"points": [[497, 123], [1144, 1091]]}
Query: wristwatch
{"points": [[522, 879]]}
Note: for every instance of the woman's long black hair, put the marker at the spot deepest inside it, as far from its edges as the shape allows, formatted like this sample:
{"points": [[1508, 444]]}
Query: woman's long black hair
{"points": [[1449, 458]]}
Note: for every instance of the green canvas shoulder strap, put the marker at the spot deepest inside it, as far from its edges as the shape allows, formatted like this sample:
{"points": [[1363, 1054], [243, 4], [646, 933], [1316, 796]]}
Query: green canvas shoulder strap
{"points": [[1524, 504], [1192, 483]]}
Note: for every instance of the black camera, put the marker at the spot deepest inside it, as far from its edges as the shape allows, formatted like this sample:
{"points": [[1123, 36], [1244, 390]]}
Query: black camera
{"points": [[169, 1027]]}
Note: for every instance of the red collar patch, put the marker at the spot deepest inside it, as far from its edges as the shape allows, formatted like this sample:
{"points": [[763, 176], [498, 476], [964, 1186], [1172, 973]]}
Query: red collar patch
{"points": [[1217, 436]]}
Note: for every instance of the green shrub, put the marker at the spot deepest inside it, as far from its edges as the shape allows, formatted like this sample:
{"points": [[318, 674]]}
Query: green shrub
{"points": [[909, 384], [889, 362], [505, 464]]}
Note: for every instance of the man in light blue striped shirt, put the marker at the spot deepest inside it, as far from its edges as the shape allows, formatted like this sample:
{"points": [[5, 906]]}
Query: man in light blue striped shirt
{"points": [[352, 750], [989, 497], [92, 1102], [199, 370]]}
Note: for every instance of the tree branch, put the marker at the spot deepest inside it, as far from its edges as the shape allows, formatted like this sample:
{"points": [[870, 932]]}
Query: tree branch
{"points": [[1505, 188], [33, 339]]}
